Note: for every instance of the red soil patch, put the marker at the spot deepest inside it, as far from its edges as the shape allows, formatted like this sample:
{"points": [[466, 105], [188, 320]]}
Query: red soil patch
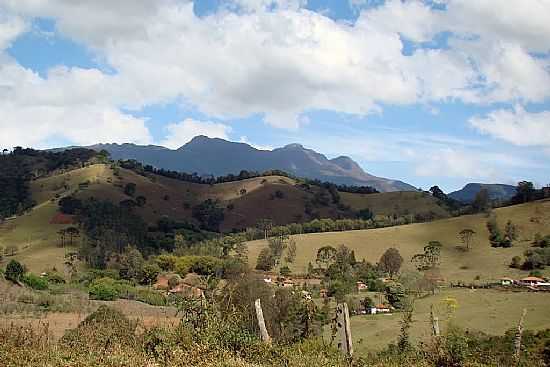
{"points": [[61, 218]]}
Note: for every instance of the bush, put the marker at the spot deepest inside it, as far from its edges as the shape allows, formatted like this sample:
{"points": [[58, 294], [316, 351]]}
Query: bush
{"points": [[183, 264], [104, 289], [55, 278], [34, 281], [207, 265], [14, 271], [149, 273], [151, 297], [166, 262], [285, 271], [516, 262]]}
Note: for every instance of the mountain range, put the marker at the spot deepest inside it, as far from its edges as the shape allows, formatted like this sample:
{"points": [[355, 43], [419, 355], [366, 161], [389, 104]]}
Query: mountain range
{"points": [[218, 157]]}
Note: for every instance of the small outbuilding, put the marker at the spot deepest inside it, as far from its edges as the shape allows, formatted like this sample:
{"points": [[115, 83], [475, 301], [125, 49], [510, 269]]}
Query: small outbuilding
{"points": [[506, 281]]}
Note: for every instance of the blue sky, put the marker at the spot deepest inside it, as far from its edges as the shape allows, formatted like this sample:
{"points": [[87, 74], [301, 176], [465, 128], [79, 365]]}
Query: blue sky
{"points": [[428, 92]]}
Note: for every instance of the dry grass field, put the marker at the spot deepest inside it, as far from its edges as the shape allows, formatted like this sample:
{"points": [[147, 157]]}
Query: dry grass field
{"points": [[481, 261], [59, 322]]}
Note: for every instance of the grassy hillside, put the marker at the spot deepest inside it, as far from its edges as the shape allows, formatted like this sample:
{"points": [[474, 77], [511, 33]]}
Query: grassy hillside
{"points": [[482, 260], [401, 203], [245, 202]]}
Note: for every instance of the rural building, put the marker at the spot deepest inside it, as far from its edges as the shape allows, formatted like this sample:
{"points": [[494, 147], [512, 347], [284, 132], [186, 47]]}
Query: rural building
{"points": [[380, 308], [506, 281], [323, 293], [362, 287], [534, 282]]}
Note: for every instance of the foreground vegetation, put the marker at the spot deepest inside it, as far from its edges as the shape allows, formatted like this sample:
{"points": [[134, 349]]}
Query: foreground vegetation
{"points": [[215, 338]]}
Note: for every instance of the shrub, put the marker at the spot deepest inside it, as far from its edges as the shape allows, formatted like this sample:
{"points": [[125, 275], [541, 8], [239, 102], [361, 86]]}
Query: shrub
{"points": [[55, 278], [183, 264], [102, 328], [151, 297], [104, 289], [166, 262], [149, 273], [14, 271], [516, 262], [207, 265], [34, 281], [130, 189]]}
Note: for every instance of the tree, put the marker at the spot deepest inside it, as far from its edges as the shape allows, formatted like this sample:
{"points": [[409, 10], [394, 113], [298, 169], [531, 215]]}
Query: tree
{"points": [[69, 205], [72, 232], [481, 201], [525, 192], [265, 260], [141, 201], [131, 263], [430, 258], [285, 271], [291, 251], [395, 294], [149, 273], [210, 214], [265, 226], [391, 261], [14, 271], [130, 189], [467, 236], [325, 256], [1, 253], [365, 214], [510, 231], [62, 233], [495, 237], [277, 245]]}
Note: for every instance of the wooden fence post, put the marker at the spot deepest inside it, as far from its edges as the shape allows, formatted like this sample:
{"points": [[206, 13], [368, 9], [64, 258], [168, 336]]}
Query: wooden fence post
{"points": [[519, 333], [435, 322], [344, 329], [261, 322]]}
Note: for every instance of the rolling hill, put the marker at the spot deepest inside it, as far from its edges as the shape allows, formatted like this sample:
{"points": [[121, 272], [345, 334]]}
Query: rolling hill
{"points": [[278, 198], [219, 157], [481, 261]]}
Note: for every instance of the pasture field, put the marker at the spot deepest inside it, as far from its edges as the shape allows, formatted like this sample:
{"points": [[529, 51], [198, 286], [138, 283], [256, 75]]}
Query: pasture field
{"points": [[491, 312], [482, 262]]}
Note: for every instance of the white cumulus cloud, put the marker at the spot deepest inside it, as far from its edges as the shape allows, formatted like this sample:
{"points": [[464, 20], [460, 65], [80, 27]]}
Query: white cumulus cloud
{"points": [[516, 126], [279, 60]]}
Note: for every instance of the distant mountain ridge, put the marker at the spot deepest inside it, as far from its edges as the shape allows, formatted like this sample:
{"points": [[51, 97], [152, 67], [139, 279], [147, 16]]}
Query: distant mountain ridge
{"points": [[496, 192], [218, 157]]}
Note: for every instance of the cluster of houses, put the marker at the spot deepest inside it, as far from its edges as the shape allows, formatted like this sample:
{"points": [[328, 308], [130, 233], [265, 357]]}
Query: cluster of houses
{"points": [[531, 282]]}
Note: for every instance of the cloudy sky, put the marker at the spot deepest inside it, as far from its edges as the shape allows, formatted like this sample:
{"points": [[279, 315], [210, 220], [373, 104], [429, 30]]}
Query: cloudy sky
{"points": [[431, 92]]}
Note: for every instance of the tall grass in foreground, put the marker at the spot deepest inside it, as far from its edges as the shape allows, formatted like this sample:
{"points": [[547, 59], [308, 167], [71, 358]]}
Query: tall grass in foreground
{"points": [[108, 338]]}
